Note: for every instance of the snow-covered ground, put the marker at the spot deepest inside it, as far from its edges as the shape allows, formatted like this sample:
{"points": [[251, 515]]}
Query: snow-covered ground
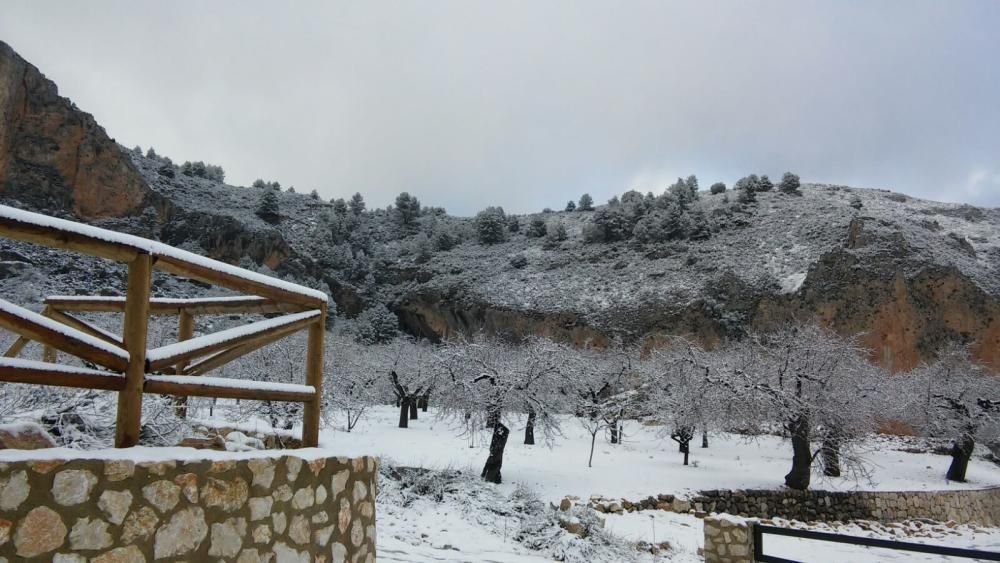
{"points": [[458, 528], [644, 465]]}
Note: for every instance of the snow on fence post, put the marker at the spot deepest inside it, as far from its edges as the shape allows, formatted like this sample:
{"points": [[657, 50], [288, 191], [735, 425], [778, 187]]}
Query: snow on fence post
{"points": [[134, 336], [728, 539], [314, 377]]}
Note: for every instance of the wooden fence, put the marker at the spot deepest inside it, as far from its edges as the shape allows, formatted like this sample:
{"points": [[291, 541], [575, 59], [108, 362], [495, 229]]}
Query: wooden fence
{"points": [[125, 363]]}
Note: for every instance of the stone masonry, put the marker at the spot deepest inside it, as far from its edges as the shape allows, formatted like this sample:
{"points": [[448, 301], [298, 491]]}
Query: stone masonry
{"points": [[963, 506], [727, 540], [268, 509]]}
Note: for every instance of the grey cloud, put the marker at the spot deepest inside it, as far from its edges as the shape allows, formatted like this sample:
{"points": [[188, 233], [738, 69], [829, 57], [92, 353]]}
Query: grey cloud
{"points": [[529, 104]]}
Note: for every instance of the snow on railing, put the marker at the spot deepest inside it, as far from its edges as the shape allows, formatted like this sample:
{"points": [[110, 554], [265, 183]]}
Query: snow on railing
{"points": [[168, 370]]}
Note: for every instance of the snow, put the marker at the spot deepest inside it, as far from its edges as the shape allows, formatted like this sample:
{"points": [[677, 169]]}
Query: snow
{"points": [[644, 465], [33, 364], [233, 383], [154, 248], [160, 300], [223, 336], [55, 326], [142, 454]]}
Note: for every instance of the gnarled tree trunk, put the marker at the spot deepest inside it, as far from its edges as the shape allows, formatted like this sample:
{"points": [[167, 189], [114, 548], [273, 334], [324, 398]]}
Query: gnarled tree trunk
{"points": [[491, 471], [830, 456], [404, 413], [413, 408], [529, 429], [961, 452], [798, 477]]}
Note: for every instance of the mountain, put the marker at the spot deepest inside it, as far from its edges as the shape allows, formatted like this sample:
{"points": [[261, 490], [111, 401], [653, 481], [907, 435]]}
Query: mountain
{"points": [[909, 274]]}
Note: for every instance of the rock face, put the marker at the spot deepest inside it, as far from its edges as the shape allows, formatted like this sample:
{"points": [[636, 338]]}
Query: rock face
{"points": [[53, 156]]}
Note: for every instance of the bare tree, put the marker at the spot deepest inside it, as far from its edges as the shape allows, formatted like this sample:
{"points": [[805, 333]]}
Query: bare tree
{"points": [[495, 379], [809, 380], [351, 378], [958, 398]]}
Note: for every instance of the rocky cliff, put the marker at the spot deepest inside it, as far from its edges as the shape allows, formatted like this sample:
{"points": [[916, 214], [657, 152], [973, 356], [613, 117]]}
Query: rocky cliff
{"points": [[54, 156]]}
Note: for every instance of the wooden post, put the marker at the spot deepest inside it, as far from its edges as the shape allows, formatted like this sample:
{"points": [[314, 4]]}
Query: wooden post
{"points": [[49, 353], [314, 377], [185, 330], [134, 336]]}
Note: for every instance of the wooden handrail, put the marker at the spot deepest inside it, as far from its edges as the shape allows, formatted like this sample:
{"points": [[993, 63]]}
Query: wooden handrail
{"points": [[172, 354], [61, 337], [168, 306], [16, 370]]}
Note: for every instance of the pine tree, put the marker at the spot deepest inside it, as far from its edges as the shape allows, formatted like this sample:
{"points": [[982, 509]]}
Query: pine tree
{"points": [[340, 206], [586, 203], [357, 204], [314, 194], [491, 225], [570, 205], [765, 184], [718, 188], [790, 184], [407, 209], [267, 209]]}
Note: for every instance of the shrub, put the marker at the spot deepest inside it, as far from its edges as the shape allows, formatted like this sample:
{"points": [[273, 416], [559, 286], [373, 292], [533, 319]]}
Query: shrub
{"points": [[519, 261], [536, 228], [491, 225], [376, 324], [267, 209], [790, 184], [718, 188]]}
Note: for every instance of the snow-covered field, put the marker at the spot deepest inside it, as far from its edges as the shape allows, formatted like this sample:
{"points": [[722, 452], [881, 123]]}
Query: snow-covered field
{"points": [[456, 530], [644, 465]]}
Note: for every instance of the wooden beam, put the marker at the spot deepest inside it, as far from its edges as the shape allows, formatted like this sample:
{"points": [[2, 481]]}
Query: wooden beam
{"points": [[185, 330], [224, 357], [199, 388], [172, 354], [202, 273], [314, 377], [66, 240], [58, 337], [168, 306], [82, 326], [40, 373], [16, 347], [135, 328]]}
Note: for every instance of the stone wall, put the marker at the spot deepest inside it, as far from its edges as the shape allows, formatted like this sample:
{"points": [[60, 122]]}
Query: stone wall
{"points": [[963, 506], [727, 540], [279, 509]]}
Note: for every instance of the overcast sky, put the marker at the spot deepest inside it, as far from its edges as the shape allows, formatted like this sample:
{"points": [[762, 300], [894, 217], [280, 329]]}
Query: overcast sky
{"points": [[528, 104]]}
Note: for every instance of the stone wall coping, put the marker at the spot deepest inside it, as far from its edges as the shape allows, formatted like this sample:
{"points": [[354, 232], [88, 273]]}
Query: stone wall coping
{"points": [[142, 454]]}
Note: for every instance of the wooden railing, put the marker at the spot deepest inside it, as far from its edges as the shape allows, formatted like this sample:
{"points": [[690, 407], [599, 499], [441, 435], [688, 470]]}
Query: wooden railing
{"points": [[125, 363]]}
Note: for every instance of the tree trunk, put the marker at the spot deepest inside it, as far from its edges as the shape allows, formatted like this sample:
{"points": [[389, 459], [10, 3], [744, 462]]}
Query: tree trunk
{"points": [[491, 471], [798, 477], [593, 438], [961, 452], [830, 452], [529, 430], [423, 402], [687, 450], [404, 412], [704, 437], [413, 408], [615, 437]]}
